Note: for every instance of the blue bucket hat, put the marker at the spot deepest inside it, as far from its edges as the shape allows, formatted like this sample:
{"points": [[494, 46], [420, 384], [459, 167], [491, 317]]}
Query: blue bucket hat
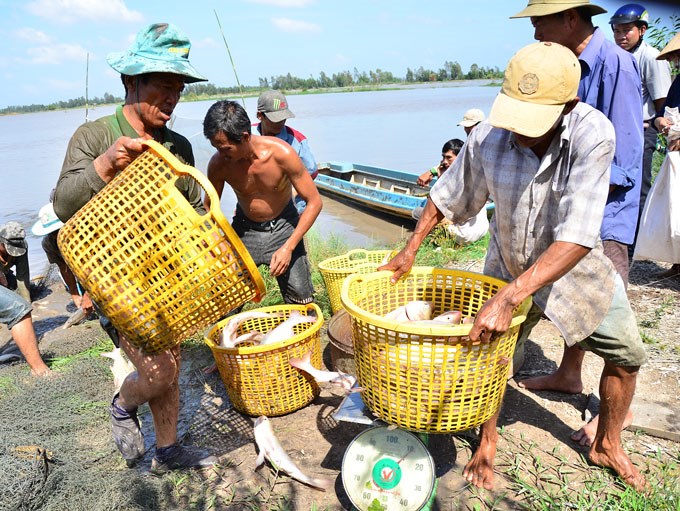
{"points": [[158, 48]]}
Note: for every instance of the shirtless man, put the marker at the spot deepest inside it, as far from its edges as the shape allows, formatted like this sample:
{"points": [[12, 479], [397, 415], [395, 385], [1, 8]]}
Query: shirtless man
{"points": [[261, 171]]}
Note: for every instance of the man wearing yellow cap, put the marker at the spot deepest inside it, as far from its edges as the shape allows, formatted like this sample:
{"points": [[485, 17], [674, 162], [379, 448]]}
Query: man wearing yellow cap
{"points": [[153, 71], [545, 158], [610, 82]]}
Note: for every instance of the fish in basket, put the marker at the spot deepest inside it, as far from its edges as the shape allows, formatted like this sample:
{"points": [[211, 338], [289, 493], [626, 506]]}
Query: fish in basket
{"points": [[426, 376], [256, 371]]}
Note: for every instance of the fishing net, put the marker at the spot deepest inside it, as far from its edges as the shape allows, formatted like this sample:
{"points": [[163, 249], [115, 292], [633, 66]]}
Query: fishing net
{"points": [[56, 449]]}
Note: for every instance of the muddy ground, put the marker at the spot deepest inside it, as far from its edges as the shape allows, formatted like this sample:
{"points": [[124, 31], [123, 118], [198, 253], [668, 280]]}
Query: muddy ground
{"points": [[317, 442]]}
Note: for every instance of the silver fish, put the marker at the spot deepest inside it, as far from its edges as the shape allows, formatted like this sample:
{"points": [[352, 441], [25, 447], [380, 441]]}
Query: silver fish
{"points": [[451, 317], [344, 380], [74, 318], [121, 367], [271, 449], [253, 337], [417, 310], [285, 330], [230, 329], [9, 357]]}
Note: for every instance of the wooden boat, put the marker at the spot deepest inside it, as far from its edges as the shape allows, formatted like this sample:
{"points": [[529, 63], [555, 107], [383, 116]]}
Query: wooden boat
{"points": [[391, 192]]}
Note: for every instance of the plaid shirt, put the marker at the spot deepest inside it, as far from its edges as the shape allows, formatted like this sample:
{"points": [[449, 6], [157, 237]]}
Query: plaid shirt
{"points": [[560, 197]]}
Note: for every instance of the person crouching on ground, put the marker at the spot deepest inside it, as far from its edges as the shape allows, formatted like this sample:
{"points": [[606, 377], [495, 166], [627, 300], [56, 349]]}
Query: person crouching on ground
{"points": [[15, 312], [153, 72], [545, 243]]}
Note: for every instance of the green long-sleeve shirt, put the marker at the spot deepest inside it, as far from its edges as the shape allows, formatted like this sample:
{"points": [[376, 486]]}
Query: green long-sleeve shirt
{"points": [[79, 181]]}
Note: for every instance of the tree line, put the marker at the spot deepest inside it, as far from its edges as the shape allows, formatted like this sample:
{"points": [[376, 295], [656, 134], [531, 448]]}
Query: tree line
{"points": [[449, 71]]}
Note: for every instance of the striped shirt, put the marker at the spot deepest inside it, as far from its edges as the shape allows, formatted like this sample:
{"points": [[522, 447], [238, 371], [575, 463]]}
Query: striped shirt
{"points": [[560, 197]]}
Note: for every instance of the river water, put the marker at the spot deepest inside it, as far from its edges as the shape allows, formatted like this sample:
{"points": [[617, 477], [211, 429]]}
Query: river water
{"points": [[400, 129]]}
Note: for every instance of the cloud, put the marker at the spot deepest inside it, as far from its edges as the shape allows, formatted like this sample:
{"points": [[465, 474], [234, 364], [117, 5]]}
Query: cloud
{"points": [[65, 85], [289, 25], [56, 54], [284, 3], [206, 42], [70, 11], [32, 35]]}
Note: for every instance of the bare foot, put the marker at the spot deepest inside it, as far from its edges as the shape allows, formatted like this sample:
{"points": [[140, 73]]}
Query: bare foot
{"points": [[555, 382], [41, 371], [618, 461], [479, 470], [210, 370], [586, 434]]}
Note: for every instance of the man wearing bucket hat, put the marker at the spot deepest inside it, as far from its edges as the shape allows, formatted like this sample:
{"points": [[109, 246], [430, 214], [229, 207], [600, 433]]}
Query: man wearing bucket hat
{"points": [[610, 82], [14, 254], [273, 111], [153, 71], [48, 226], [546, 243], [470, 119]]}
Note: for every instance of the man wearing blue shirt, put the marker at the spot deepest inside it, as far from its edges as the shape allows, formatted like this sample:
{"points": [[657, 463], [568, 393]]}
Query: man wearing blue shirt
{"points": [[273, 111], [610, 82]]}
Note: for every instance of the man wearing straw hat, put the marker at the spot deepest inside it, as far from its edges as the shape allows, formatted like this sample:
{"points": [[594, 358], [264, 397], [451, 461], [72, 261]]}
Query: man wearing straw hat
{"points": [[545, 158], [670, 52], [153, 71], [610, 82]]}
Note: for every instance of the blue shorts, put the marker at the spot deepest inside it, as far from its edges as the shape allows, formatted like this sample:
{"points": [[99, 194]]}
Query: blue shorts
{"points": [[13, 308], [262, 239]]}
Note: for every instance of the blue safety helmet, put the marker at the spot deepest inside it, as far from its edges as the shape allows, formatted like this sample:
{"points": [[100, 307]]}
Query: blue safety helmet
{"points": [[630, 13]]}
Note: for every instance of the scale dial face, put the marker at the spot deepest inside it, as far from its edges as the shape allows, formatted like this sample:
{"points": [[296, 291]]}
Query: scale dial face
{"points": [[387, 469]]}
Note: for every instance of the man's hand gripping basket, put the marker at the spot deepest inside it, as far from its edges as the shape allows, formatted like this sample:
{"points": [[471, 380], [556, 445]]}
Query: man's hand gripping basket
{"points": [[157, 269], [428, 378]]}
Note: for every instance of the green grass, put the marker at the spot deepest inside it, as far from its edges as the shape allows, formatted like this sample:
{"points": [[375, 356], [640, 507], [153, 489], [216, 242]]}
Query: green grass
{"points": [[103, 345], [547, 480], [438, 249]]}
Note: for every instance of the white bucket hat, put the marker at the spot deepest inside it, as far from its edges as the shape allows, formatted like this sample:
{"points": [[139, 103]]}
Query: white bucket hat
{"points": [[48, 221]]}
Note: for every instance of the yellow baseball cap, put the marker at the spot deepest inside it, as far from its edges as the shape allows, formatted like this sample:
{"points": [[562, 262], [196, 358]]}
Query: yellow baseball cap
{"points": [[539, 80]]}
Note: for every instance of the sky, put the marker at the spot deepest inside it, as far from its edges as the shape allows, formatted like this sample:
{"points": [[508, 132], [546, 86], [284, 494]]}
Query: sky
{"points": [[47, 42]]}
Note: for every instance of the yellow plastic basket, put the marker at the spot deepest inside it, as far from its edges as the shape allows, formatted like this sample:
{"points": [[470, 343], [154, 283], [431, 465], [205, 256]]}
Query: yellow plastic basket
{"points": [[158, 270], [260, 379], [428, 378], [335, 269]]}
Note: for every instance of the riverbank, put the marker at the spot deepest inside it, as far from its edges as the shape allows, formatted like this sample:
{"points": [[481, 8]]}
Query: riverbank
{"points": [[253, 92]]}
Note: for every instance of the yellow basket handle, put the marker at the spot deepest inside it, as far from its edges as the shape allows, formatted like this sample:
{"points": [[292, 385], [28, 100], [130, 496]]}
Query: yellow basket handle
{"points": [[182, 169], [356, 254]]}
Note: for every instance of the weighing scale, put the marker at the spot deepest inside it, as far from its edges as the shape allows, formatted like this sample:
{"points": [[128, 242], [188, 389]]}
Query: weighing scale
{"points": [[385, 468]]}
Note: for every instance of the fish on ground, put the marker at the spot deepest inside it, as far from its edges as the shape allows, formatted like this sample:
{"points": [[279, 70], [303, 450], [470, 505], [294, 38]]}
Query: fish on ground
{"points": [[270, 448], [75, 318], [121, 367], [416, 310], [344, 380], [285, 330], [9, 357]]}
